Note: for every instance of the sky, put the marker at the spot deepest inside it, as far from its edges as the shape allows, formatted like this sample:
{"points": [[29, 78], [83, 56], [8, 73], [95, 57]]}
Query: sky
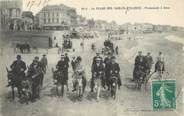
{"points": [[172, 15]]}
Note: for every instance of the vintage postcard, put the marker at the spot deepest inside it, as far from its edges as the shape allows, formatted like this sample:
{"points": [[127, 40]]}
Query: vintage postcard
{"points": [[91, 58]]}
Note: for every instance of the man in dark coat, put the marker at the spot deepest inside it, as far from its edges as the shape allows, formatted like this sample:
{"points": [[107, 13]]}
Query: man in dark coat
{"points": [[63, 66], [139, 61], [148, 63], [35, 72], [18, 67], [67, 60], [107, 62], [97, 70], [115, 70]]}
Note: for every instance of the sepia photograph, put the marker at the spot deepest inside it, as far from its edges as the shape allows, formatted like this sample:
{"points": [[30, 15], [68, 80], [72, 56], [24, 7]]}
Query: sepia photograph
{"points": [[91, 58]]}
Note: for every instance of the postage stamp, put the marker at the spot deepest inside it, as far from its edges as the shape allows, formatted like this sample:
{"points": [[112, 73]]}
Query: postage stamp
{"points": [[164, 94]]}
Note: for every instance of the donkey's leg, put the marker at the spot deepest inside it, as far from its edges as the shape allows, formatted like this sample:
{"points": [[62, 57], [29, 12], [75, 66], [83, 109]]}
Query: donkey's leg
{"points": [[80, 90], [38, 90], [62, 89], [115, 91], [19, 88], [57, 92], [98, 92], [13, 92], [67, 85], [111, 90]]}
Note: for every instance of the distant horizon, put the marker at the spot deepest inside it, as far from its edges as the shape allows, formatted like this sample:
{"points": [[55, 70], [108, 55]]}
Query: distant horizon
{"points": [[155, 17]]}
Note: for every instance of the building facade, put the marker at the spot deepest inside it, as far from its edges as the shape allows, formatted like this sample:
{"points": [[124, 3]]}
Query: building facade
{"points": [[57, 17], [10, 14], [27, 21]]}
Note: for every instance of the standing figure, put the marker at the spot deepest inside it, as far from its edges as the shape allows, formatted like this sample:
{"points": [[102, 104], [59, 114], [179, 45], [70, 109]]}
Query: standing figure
{"points": [[18, 73], [139, 63], [98, 71], [18, 67], [67, 60], [44, 63], [35, 72], [161, 57], [79, 80], [62, 66], [160, 64], [107, 62], [115, 70], [148, 63]]}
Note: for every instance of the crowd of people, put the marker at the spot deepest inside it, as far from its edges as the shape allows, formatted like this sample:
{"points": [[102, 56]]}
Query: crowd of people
{"points": [[143, 65], [38, 67], [104, 67]]}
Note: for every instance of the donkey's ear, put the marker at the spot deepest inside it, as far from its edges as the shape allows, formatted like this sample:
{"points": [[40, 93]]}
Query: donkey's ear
{"points": [[7, 69]]}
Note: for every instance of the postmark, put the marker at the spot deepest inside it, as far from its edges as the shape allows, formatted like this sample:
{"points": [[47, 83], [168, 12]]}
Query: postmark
{"points": [[163, 94]]}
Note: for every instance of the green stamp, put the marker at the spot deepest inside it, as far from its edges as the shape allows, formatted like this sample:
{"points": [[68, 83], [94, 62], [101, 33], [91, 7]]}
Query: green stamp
{"points": [[163, 94]]}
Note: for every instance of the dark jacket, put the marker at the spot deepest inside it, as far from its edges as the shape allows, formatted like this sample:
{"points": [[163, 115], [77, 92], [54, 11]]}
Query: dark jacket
{"points": [[17, 66], [114, 69], [159, 66], [62, 65], [44, 62], [139, 61], [35, 70], [67, 59], [148, 62], [107, 62], [98, 68]]}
